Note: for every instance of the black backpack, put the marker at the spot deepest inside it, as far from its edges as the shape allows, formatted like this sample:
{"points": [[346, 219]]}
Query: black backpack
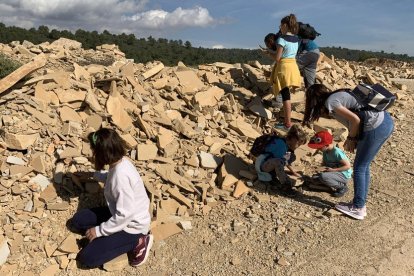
{"points": [[306, 31], [373, 97], [260, 143]]}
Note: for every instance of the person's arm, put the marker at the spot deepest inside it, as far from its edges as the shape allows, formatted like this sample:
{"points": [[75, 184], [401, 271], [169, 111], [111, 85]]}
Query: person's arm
{"points": [[100, 176], [353, 129], [279, 51], [124, 197], [346, 165], [292, 171], [270, 53]]}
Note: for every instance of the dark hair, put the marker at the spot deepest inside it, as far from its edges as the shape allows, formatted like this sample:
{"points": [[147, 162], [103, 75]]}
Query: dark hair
{"points": [[271, 39], [291, 23], [107, 147], [296, 132], [315, 98]]}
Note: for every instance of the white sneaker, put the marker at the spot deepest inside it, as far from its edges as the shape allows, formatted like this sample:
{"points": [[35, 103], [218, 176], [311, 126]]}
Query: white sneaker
{"points": [[350, 210]]}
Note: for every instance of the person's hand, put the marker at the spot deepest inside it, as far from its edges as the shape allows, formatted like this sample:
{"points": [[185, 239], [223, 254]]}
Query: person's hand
{"points": [[84, 175], [91, 234], [350, 145], [327, 169]]}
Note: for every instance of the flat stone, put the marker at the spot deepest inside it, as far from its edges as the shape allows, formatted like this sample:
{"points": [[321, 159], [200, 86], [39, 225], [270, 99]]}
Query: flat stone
{"points": [[18, 169], [70, 95], [116, 264], [129, 140], [180, 197], [164, 137], [63, 206], [154, 70], [115, 107], [168, 173], [72, 128], [244, 128], [184, 128], [68, 114], [40, 180], [50, 270], [46, 96], [15, 160], [240, 189], [210, 161], [21, 72], [257, 108], [4, 250], [229, 171], [38, 163], [69, 245], [20, 141], [49, 194], [146, 152], [69, 152], [163, 231], [210, 97], [189, 81], [40, 116], [92, 101], [94, 121], [49, 248]]}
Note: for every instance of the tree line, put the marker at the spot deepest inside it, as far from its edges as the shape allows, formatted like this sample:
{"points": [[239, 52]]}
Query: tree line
{"points": [[169, 52]]}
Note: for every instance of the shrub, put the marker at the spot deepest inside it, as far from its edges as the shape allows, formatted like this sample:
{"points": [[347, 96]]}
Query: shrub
{"points": [[7, 65]]}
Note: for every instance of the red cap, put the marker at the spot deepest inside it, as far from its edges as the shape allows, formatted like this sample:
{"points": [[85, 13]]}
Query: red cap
{"points": [[320, 139]]}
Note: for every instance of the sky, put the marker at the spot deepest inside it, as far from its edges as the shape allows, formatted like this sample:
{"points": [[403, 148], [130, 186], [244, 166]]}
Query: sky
{"points": [[355, 24]]}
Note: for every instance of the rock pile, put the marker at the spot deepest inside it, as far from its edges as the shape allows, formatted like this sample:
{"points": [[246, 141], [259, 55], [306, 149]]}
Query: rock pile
{"points": [[188, 131]]}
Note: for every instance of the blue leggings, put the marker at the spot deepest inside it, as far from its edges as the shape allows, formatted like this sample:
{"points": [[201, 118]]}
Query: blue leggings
{"points": [[105, 248]]}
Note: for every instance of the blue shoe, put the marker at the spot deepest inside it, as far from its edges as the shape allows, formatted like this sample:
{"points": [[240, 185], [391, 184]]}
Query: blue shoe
{"points": [[282, 126], [340, 192]]}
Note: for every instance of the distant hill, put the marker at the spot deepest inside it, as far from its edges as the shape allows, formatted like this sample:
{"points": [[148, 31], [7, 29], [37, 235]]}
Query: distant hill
{"points": [[170, 51]]}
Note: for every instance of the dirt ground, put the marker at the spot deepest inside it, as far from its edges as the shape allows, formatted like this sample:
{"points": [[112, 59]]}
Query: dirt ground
{"points": [[267, 233]]}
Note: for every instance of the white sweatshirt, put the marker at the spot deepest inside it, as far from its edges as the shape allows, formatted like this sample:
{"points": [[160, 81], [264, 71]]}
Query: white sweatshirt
{"points": [[127, 200]]}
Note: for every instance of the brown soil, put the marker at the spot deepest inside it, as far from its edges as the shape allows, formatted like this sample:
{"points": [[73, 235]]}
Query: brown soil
{"points": [[266, 233]]}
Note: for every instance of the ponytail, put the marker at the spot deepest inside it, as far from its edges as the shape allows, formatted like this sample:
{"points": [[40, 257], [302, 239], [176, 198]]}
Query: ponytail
{"points": [[291, 23]]}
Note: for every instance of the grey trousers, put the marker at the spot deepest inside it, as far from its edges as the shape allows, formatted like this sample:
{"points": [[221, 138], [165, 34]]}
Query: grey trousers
{"points": [[307, 62], [334, 180], [277, 166]]}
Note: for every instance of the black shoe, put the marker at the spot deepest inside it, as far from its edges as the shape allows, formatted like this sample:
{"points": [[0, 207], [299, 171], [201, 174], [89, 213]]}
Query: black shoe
{"points": [[340, 192], [288, 191]]}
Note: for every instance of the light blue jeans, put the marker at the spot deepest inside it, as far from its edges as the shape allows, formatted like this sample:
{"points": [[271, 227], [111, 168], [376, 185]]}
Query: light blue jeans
{"points": [[367, 149]]}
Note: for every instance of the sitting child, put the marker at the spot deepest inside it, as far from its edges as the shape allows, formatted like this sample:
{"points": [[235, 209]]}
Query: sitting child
{"points": [[337, 170], [278, 154]]}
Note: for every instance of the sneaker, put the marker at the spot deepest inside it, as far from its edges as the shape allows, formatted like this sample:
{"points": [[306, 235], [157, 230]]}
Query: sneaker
{"points": [[139, 254], [364, 209], [340, 192], [350, 210], [282, 126]]}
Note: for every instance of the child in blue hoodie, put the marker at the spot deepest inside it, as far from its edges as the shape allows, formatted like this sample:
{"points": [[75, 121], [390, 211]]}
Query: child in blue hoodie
{"points": [[278, 154]]}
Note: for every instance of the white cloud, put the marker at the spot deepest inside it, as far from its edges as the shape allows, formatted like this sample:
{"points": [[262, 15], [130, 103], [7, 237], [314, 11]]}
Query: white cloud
{"points": [[130, 16], [156, 19], [218, 46]]}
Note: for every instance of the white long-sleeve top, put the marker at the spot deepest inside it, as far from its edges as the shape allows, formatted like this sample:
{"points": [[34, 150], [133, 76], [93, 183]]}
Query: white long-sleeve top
{"points": [[127, 200]]}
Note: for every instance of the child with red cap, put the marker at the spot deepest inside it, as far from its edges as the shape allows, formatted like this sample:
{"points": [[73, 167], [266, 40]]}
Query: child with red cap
{"points": [[337, 170]]}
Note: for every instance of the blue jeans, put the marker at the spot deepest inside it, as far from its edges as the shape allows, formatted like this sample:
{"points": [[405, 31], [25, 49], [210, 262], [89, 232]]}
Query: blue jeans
{"points": [[105, 248], [366, 150]]}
